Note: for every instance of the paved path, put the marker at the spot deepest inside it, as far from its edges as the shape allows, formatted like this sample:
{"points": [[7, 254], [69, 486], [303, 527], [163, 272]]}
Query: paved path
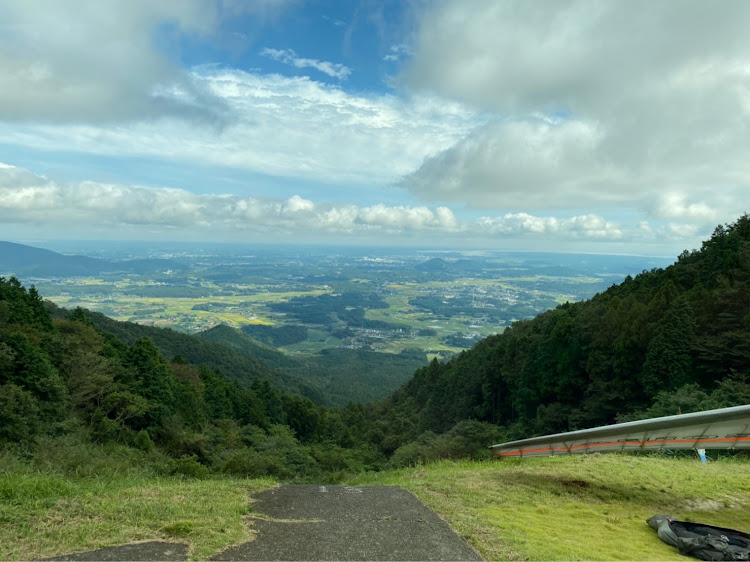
{"points": [[347, 523], [326, 523]]}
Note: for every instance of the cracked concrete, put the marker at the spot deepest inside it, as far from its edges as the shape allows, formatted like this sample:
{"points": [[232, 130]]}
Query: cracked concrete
{"points": [[347, 523]]}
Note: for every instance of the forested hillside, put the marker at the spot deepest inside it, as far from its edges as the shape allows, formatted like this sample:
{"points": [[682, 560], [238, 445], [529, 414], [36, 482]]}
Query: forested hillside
{"points": [[339, 376], [241, 367], [668, 340], [66, 379], [334, 378]]}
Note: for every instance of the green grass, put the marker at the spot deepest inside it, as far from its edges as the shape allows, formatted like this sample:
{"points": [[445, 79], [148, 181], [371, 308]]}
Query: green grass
{"points": [[576, 508], [43, 514]]}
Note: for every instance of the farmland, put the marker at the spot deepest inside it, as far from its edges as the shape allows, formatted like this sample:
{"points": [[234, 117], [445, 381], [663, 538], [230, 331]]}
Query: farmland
{"points": [[384, 300]]}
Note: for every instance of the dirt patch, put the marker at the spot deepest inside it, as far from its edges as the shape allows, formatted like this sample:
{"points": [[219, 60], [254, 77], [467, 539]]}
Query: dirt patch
{"points": [[575, 483], [704, 505]]}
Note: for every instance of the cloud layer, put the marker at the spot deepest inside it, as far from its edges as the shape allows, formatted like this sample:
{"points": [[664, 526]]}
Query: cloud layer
{"points": [[120, 210], [28, 198], [556, 119], [598, 104], [96, 61], [282, 126]]}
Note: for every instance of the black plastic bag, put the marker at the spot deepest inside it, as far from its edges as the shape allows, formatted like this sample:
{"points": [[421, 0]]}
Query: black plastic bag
{"points": [[702, 541]]}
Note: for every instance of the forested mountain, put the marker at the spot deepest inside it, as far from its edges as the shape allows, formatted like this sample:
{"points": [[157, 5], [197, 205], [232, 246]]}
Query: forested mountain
{"points": [[241, 367], [667, 340], [339, 376], [334, 378]]}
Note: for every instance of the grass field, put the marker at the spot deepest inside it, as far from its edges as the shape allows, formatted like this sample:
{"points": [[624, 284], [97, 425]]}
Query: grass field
{"points": [[576, 508], [44, 514], [562, 508]]}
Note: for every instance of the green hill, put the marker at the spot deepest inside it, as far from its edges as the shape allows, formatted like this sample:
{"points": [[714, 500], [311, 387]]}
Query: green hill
{"points": [[22, 260], [240, 342], [333, 378], [244, 368], [18, 259], [667, 340], [582, 507], [75, 380], [339, 375]]}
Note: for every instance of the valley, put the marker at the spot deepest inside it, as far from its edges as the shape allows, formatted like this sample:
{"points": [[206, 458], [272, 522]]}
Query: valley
{"points": [[94, 408], [306, 300]]}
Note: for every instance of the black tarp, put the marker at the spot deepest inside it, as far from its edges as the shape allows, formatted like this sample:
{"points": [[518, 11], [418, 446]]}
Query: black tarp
{"points": [[702, 541]]}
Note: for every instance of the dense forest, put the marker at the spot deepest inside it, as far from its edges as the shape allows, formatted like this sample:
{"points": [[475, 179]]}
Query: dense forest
{"points": [[333, 378], [63, 377], [667, 340]]}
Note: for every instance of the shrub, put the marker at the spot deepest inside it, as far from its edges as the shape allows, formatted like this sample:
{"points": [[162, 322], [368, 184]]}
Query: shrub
{"points": [[187, 467], [19, 415], [142, 441]]}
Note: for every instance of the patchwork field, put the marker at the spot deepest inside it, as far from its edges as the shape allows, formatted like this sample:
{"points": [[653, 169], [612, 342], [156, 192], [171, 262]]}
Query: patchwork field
{"points": [[386, 302]]}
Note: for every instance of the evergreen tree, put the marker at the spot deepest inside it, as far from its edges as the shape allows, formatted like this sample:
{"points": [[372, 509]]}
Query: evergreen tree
{"points": [[668, 364]]}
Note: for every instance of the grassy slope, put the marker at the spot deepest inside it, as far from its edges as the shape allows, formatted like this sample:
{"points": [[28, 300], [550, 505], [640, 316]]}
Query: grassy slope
{"points": [[562, 508], [43, 514], [576, 508]]}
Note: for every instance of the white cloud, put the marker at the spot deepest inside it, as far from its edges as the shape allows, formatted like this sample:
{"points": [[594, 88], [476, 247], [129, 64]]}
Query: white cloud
{"points": [[91, 61], [28, 198], [412, 217], [334, 21], [684, 235], [296, 203], [523, 163], [584, 226], [682, 230], [288, 56], [96, 61], [398, 52], [674, 206], [281, 126], [600, 104], [89, 207], [575, 55]]}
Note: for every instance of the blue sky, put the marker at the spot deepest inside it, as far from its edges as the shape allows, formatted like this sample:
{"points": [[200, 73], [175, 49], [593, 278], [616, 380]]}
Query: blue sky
{"points": [[355, 35], [549, 125]]}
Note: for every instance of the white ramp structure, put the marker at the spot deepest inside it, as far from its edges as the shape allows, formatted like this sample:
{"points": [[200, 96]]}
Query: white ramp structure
{"points": [[725, 428]]}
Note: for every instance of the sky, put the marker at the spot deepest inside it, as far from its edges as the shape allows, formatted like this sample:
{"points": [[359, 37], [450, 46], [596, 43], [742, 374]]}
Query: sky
{"points": [[551, 125]]}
